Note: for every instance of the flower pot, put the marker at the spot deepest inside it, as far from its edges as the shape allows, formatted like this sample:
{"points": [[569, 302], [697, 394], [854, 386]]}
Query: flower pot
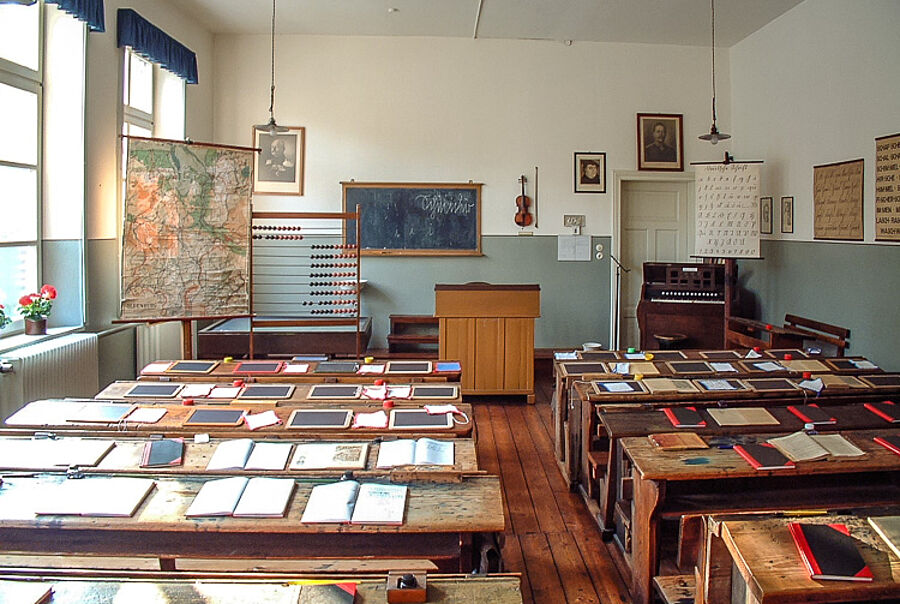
{"points": [[35, 327]]}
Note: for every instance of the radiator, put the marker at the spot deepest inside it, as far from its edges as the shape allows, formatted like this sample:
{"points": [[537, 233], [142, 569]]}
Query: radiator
{"points": [[157, 342], [66, 366]]}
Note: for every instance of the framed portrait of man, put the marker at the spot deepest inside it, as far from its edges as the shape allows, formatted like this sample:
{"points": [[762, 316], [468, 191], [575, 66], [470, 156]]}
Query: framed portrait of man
{"points": [[590, 172], [660, 142], [278, 167]]}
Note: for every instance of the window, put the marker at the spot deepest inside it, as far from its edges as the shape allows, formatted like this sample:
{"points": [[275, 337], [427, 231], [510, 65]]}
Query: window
{"points": [[42, 57], [20, 152]]}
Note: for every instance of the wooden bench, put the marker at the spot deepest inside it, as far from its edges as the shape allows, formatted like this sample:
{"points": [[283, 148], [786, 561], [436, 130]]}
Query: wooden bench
{"points": [[820, 332], [413, 332]]}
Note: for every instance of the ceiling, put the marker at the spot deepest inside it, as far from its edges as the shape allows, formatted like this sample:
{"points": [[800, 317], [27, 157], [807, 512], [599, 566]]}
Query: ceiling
{"points": [[682, 22]]}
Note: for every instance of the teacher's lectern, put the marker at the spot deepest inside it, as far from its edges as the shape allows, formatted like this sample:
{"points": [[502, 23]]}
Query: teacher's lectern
{"points": [[490, 328]]}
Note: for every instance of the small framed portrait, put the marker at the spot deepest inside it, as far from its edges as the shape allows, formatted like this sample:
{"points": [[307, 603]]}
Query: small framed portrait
{"points": [[590, 172], [787, 214], [279, 162], [765, 215], [660, 142]]}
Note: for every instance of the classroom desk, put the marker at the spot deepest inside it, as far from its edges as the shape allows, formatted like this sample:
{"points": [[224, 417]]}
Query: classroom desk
{"points": [[228, 371], [444, 523], [749, 560], [750, 333], [50, 414], [671, 484], [606, 487], [268, 588], [125, 457], [117, 391]]}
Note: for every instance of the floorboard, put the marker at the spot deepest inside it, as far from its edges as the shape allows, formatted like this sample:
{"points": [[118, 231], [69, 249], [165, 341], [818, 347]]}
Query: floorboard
{"points": [[551, 538]]}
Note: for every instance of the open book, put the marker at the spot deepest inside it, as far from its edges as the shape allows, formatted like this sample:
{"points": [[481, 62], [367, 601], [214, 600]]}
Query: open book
{"points": [[325, 455], [244, 454], [349, 502], [425, 451], [95, 496], [258, 497]]}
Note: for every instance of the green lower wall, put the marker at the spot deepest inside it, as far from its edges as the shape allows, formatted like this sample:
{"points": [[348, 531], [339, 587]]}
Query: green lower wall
{"points": [[574, 295], [851, 285]]}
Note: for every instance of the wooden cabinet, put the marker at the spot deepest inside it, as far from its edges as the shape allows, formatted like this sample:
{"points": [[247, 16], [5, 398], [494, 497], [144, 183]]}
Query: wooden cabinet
{"points": [[490, 328]]}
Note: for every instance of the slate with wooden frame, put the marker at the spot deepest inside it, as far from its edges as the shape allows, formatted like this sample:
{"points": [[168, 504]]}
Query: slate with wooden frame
{"points": [[660, 142], [278, 168], [838, 200]]}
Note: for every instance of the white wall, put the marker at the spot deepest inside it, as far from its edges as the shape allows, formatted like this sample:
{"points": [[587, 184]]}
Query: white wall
{"points": [[817, 86], [104, 101], [451, 110]]}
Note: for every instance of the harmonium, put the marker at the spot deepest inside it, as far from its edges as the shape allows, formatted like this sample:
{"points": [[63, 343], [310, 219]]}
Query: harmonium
{"points": [[683, 300]]}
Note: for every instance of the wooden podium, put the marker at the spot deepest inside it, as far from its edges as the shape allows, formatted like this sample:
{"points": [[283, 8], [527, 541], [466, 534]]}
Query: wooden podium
{"points": [[490, 328]]}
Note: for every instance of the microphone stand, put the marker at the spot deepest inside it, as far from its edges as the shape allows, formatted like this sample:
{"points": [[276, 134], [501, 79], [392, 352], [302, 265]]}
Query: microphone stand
{"points": [[619, 269]]}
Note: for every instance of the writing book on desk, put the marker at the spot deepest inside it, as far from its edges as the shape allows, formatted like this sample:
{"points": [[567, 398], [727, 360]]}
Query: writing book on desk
{"points": [[678, 441], [100, 413], [684, 417], [891, 443], [829, 552], [161, 453], [743, 416], [330, 456], [764, 456], [33, 454], [812, 414], [25, 592], [425, 451], [95, 496], [670, 385], [886, 410]]}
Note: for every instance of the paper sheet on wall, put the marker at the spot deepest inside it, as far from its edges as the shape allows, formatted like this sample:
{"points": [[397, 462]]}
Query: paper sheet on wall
{"points": [[573, 248], [727, 202]]}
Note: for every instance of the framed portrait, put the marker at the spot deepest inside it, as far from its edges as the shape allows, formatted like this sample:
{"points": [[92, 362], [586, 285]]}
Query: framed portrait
{"points": [[279, 163], [590, 172], [660, 142], [787, 214], [765, 215]]}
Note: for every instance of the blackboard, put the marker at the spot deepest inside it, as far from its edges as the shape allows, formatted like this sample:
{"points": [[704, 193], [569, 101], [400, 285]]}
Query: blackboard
{"points": [[415, 219]]}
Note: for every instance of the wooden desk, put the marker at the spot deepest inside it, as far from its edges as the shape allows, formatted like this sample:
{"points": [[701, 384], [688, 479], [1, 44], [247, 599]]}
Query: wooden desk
{"points": [[491, 329], [606, 487], [750, 560], [670, 484], [750, 333], [445, 523], [50, 415], [125, 457], [261, 588], [117, 391], [228, 371]]}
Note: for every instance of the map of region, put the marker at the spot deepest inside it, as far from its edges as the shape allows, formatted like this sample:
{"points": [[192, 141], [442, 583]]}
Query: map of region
{"points": [[186, 232]]}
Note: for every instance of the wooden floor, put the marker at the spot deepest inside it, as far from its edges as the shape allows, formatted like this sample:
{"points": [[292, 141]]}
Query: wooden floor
{"points": [[550, 537]]}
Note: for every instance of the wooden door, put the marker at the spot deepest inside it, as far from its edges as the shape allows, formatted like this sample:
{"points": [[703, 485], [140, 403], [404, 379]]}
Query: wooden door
{"points": [[654, 229]]}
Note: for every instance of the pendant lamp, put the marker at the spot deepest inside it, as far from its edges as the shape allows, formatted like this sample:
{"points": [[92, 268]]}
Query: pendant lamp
{"points": [[271, 127], [714, 136]]}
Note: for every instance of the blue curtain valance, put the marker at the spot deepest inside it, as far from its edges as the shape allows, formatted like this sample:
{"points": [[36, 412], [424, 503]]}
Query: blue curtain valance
{"points": [[153, 43], [89, 11]]}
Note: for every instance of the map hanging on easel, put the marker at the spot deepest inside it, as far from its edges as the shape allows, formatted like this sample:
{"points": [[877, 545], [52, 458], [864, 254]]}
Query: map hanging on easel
{"points": [[727, 202], [186, 231]]}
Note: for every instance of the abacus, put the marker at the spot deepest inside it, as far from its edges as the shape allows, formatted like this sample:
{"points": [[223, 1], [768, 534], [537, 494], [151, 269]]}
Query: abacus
{"points": [[302, 271]]}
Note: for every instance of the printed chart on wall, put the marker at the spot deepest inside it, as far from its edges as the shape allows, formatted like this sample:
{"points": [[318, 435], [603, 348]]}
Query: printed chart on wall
{"points": [[887, 188], [727, 210], [838, 200], [186, 231]]}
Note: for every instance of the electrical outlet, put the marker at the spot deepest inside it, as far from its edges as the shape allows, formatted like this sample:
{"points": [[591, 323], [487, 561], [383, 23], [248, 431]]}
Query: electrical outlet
{"points": [[573, 220]]}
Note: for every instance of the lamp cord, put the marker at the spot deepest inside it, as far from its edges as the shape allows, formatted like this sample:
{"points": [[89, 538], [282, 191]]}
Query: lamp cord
{"points": [[712, 4], [272, 89]]}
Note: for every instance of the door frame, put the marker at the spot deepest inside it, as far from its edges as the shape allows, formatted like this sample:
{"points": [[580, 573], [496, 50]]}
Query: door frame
{"points": [[619, 178]]}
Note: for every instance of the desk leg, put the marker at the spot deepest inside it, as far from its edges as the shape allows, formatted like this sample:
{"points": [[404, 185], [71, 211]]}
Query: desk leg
{"points": [[644, 537], [713, 571], [167, 564], [610, 487]]}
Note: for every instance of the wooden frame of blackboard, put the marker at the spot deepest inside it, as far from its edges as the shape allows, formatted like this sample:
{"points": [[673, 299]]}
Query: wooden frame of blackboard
{"points": [[473, 250]]}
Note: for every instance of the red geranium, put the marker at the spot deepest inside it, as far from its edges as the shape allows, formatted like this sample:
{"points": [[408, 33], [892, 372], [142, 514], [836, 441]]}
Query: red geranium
{"points": [[26, 299], [37, 306], [48, 291]]}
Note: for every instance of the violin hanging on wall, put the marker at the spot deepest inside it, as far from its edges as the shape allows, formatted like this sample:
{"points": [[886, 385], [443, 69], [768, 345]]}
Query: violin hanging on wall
{"points": [[523, 218]]}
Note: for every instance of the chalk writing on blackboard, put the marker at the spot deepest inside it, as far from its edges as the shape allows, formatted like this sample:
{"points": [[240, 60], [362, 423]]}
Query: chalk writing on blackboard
{"points": [[727, 204], [838, 200], [415, 219]]}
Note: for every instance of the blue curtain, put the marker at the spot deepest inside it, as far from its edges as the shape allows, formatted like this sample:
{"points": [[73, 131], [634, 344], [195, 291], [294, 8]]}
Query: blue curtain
{"points": [[89, 11], [156, 45]]}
